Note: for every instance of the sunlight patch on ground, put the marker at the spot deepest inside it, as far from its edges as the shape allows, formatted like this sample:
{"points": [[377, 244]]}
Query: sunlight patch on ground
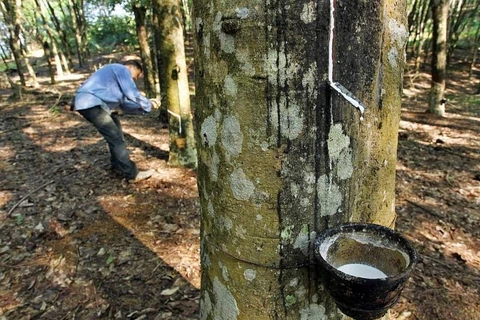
{"points": [[73, 76], [178, 247], [181, 256], [57, 142], [8, 301], [461, 248], [5, 196], [411, 92], [459, 137], [6, 153]]}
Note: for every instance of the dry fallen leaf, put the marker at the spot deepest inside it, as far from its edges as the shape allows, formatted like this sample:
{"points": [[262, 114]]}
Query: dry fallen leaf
{"points": [[169, 292]]}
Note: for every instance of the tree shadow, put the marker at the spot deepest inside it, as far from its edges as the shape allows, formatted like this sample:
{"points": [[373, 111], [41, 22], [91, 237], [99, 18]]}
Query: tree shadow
{"points": [[148, 148], [435, 184], [459, 123], [443, 284], [85, 244]]}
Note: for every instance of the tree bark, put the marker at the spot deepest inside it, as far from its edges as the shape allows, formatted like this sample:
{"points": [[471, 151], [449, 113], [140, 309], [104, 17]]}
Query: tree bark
{"points": [[66, 52], [140, 13], [48, 55], [77, 28], [12, 20], [281, 155], [173, 71], [156, 19], [476, 44], [13, 86], [439, 57], [460, 15], [50, 47]]}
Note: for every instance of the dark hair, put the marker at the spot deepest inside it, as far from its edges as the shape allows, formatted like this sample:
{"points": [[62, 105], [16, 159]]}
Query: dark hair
{"points": [[133, 63]]}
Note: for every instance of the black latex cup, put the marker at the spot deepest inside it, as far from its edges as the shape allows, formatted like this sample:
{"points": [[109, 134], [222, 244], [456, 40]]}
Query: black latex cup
{"points": [[358, 296]]}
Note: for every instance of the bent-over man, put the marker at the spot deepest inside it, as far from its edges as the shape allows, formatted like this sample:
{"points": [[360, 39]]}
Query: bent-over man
{"points": [[109, 88]]}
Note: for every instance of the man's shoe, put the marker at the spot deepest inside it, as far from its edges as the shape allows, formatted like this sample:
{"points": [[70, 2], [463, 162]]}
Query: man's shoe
{"points": [[143, 175]]}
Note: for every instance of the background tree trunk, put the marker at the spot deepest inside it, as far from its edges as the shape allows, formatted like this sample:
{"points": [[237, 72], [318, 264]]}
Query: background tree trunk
{"points": [[281, 155], [66, 52], [51, 51], [173, 71], [10, 11], [156, 19], [140, 13], [13, 86], [476, 44], [77, 28], [48, 56], [439, 56]]}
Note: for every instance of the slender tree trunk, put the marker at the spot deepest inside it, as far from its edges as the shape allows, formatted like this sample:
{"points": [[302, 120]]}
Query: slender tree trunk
{"points": [[64, 62], [66, 52], [156, 17], [282, 155], [77, 32], [12, 20], [476, 44], [48, 56], [23, 48], [82, 25], [140, 13], [10, 81], [52, 46], [420, 36], [15, 47], [31, 71], [439, 57], [463, 14], [173, 71]]}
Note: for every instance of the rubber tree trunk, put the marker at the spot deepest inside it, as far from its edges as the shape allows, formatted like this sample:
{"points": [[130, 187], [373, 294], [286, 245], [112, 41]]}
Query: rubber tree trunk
{"points": [[140, 13], [77, 28], [173, 71], [281, 155], [156, 19], [13, 86], [65, 51], [48, 55], [11, 11], [439, 56], [50, 46]]}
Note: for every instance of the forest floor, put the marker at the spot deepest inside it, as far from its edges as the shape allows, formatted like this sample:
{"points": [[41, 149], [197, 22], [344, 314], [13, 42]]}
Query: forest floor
{"points": [[78, 242]]}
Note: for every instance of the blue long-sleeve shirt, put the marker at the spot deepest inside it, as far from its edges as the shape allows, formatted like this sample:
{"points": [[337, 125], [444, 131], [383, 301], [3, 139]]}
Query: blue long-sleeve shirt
{"points": [[112, 87]]}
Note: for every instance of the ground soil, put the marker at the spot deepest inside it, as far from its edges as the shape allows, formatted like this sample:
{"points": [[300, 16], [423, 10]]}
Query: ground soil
{"points": [[78, 242]]}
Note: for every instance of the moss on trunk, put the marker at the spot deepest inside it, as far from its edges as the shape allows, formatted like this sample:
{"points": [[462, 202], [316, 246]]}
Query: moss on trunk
{"points": [[281, 155]]}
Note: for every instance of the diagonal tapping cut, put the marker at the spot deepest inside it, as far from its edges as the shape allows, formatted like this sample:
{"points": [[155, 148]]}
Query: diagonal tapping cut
{"points": [[344, 92]]}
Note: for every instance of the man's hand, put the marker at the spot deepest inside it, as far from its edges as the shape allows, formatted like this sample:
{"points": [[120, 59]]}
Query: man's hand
{"points": [[155, 103]]}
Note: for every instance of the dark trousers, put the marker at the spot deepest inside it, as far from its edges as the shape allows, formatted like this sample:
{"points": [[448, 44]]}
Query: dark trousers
{"points": [[110, 128]]}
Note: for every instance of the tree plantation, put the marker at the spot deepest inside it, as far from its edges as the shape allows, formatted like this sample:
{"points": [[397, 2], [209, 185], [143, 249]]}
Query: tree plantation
{"points": [[272, 122]]}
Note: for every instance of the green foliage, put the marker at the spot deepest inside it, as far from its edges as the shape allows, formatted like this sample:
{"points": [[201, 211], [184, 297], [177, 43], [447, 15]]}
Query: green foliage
{"points": [[108, 32], [20, 219], [55, 111], [110, 260], [5, 68]]}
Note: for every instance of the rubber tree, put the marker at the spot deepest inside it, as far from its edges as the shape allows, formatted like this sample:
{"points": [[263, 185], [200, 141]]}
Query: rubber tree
{"points": [[140, 11], [78, 27], [282, 153], [12, 18], [439, 56], [66, 47], [174, 83], [49, 42]]}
